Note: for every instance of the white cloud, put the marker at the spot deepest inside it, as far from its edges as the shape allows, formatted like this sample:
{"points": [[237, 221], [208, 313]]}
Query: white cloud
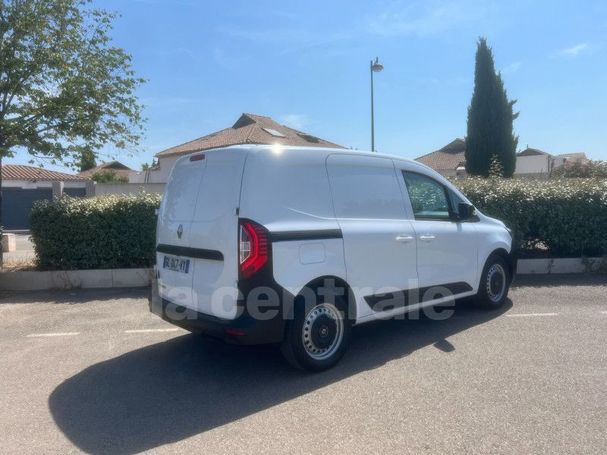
{"points": [[170, 101], [419, 17], [173, 51], [163, 2], [228, 61], [512, 68], [424, 18], [574, 51], [288, 39], [297, 121]]}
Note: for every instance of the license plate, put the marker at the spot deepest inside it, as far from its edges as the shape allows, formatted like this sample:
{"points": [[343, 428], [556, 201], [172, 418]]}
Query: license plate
{"points": [[176, 264]]}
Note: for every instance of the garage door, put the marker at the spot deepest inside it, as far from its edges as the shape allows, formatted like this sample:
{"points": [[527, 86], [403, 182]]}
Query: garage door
{"points": [[17, 203]]}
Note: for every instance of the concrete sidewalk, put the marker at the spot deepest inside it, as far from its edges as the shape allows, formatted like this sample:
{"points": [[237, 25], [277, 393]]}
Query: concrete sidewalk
{"points": [[25, 249]]}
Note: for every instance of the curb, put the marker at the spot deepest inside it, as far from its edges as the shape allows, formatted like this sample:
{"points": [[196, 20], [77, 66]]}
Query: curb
{"points": [[72, 279], [130, 278], [559, 265]]}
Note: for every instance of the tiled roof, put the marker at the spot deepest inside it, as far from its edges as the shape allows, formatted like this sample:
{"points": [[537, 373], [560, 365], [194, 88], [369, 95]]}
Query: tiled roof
{"points": [[250, 129], [532, 152], [450, 157], [120, 169], [21, 172]]}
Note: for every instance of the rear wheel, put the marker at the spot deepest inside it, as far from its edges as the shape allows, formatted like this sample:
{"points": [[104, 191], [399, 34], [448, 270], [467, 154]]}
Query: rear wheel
{"points": [[317, 337], [494, 284]]}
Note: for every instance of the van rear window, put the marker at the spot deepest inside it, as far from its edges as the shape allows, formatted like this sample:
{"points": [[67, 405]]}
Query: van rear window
{"points": [[182, 190]]}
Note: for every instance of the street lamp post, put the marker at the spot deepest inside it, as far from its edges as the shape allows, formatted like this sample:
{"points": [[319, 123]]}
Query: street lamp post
{"points": [[374, 67]]}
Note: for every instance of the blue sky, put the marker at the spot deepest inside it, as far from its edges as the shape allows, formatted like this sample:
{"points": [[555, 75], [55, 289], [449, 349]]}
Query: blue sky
{"points": [[305, 63]]}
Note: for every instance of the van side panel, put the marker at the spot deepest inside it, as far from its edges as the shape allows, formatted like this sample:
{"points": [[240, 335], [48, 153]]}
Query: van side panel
{"points": [[291, 197], [378, 237]]}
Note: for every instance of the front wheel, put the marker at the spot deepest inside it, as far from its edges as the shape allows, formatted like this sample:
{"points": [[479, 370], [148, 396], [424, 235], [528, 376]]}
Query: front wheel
{"points": [[494, 284], [316, 339]]}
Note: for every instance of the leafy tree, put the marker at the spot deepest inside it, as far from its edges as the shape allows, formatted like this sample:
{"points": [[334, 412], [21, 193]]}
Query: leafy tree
{"points": [[598, 169], [87, 160], [65, 89], [496, 170], [109, 176], [582, 169], [490, 119], [147, 166]]}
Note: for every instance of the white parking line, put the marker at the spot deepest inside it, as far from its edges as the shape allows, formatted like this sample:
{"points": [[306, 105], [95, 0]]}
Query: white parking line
{"points": [[151, 330], [55, 334], [603, 312], [530, 315]]}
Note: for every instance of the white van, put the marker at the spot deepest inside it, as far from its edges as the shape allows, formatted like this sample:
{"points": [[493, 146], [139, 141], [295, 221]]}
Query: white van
{"points": [[291, 245]]}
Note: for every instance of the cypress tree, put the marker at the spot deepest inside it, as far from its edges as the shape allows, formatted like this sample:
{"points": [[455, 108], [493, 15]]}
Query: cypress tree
{"points": [[87, 160], [490, 119]]}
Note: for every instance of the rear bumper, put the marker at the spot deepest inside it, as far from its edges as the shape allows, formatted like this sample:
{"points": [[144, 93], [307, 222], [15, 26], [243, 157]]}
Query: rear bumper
{"points": [[244, 329]]}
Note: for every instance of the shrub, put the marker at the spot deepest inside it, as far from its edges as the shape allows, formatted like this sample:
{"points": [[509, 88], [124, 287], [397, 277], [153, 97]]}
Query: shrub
{"points": [[95, 233], [586, 168], [568, 217], [109, 176]]}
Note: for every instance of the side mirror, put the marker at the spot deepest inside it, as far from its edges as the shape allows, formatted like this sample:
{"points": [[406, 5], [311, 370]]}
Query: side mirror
{"points": [[465, 211]]}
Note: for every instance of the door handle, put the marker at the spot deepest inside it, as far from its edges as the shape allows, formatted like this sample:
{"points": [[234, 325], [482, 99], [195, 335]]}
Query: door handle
{"points": [[404, 238], [427, 237]]}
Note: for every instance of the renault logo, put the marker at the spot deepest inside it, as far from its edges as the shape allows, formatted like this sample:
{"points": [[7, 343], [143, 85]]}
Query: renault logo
{"points": [[179, 231]]}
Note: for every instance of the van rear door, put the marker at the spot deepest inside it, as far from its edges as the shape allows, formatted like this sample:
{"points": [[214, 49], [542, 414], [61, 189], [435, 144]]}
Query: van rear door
{"points": [[173, 259], [199, 268], [215, 234]]}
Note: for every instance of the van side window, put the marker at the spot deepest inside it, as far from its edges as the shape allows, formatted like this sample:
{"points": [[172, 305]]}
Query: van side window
{"points": [[365, 188], [428, 197]]}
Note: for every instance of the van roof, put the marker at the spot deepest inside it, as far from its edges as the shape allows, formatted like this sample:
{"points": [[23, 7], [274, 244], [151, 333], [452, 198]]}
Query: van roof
{"points": [[287, 149]]}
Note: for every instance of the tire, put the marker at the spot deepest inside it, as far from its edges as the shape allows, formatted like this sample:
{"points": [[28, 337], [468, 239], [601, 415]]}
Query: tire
{"points": [[317, 337], [494, 283]]}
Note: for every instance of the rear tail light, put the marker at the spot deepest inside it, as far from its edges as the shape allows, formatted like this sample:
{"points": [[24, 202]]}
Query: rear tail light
{"points": [[198, 157], [253, 248]]}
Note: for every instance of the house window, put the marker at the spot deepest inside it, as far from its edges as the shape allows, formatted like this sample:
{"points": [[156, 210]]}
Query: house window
{"points": [[273, 132], [309, 138]]}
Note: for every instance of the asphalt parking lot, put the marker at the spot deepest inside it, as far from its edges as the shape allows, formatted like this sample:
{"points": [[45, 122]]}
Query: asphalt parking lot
{"points": [[92, 371]]}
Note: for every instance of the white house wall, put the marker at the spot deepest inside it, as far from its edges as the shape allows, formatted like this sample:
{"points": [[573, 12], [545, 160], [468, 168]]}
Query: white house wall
{"points": [[128, 188], [29, 184], [533, 164], [160, 175]]}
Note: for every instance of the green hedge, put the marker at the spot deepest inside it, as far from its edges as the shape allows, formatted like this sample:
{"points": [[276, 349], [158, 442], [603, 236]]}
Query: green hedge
{"points": [[557, 218], [95, 233]]}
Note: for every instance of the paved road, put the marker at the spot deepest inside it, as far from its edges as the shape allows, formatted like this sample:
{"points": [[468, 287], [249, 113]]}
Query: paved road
{"points": [[92, 371]]}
